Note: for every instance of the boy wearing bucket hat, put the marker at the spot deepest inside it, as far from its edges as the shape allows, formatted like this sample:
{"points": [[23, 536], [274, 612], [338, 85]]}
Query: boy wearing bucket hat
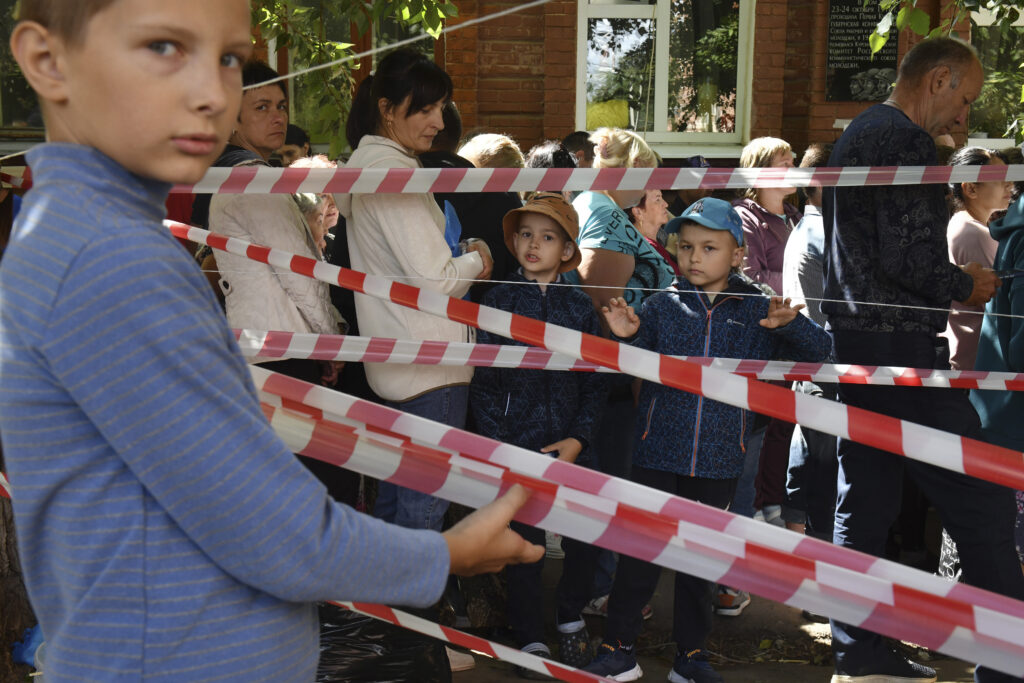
{"points": [[550, 412], [686, 444]]}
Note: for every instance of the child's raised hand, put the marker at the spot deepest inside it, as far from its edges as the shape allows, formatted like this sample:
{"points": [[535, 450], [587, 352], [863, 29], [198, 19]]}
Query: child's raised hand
{"points": [[780, 313], [567, 449], [622, 319]]}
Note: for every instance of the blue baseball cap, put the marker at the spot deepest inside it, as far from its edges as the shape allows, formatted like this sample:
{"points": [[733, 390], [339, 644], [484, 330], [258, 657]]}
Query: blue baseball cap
{"points": [[716, 214]]}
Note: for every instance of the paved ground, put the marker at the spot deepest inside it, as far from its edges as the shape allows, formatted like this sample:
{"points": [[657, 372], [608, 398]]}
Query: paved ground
{"points": [[768, 643]]}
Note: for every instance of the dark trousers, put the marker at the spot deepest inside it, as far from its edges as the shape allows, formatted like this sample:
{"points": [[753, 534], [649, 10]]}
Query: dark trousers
{"points": [[811, 480], [770, 483], [636, 580], [525, 588], [978, 514], [342, 484]]}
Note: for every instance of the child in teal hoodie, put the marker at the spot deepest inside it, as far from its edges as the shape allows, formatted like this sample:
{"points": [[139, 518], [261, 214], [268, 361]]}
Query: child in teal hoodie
{"points": [[1001, 347]]}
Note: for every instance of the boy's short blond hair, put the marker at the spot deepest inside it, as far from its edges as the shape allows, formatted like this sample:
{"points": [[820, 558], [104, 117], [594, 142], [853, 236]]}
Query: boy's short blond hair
{"points": [[66, 19], [490, 150], [759, 153], [618, 148]]}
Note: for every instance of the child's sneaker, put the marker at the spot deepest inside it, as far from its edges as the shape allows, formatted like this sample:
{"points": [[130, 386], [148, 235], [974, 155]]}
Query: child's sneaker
{"points": [[730, 602], [574, 646], [598, 607], [553, 546], [693, 668], [615, 662], [895, 668], [540, 650], [460, 661]]}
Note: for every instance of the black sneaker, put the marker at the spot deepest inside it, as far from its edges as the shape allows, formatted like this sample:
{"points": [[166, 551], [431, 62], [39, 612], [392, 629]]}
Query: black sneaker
{"points": [[574, 648], [693, 668], [615, 662], [897, 670]]}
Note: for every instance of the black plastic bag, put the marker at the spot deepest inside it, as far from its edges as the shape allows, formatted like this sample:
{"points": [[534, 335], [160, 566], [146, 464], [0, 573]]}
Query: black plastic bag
{"points": [[354, 647]]}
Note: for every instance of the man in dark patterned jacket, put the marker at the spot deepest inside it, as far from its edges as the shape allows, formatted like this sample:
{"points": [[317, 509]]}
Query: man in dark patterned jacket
{"points": [[888, 283]]}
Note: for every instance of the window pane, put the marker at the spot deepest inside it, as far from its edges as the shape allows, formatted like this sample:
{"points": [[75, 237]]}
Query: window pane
{"points": [[18, 107], [703, 50], [620, 73]]}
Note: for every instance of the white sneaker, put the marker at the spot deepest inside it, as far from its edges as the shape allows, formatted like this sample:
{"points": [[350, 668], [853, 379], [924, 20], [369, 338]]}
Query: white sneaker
{"points": [[553, 546], [597, 607], [459, 661]]}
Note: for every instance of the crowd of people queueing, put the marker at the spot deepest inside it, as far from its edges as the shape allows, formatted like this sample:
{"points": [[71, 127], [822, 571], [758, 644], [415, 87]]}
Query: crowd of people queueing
{"points": [[753, 277]]}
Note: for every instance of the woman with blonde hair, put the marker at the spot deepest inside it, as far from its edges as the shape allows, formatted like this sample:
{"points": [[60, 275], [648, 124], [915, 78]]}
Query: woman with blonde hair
{"points": [[767, 217], [617, 260]]}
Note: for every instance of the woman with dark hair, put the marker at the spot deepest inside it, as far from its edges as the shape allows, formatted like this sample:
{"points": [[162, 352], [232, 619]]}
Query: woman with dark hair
{"points": [[550, 154], [969, 240], [396, 113]]}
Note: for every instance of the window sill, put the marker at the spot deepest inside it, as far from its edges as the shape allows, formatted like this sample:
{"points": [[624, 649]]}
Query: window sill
{"points": [[673, 150]]}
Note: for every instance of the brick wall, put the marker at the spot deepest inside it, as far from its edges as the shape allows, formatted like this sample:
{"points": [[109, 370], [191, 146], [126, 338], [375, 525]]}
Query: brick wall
{"points": [[516, 74], [806, 115], [768, 92]]}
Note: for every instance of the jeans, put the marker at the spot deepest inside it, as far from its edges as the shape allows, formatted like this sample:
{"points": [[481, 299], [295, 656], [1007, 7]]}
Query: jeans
{"points": [[636, 580], [811, 479], [412, 509], [977, 514], [743, 500]]}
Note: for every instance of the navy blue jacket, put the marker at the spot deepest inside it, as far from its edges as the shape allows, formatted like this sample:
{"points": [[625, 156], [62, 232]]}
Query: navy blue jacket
{"points": [[535, 408], [680, 432], [887, 244]]}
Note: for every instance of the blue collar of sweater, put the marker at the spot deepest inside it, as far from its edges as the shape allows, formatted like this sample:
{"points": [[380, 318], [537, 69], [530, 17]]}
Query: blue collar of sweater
{"points": [[69, 165], [518, 276]]}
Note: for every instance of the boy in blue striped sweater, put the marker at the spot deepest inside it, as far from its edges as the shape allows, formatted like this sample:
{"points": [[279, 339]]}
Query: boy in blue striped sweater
{"points": [[166, 533]]}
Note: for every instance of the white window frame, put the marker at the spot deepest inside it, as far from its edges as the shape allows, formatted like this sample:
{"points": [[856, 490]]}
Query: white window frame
{"points": [[671, 144]]}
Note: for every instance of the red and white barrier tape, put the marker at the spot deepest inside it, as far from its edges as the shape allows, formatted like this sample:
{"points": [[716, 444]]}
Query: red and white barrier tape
{"points": [[678, 534], [264, 179], [276, 344], [14, 181], [475, 643], [960, 454]]}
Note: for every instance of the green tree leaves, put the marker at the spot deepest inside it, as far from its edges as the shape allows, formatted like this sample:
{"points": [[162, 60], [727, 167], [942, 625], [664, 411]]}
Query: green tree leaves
{"points": [[315, 32]]}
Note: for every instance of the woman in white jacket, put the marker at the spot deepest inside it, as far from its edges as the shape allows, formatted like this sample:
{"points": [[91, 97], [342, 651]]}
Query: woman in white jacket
{"points": [[395, 115]]}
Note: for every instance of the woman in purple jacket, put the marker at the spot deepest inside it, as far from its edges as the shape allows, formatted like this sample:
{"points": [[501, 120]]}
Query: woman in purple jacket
{"points": [[767, 217]]}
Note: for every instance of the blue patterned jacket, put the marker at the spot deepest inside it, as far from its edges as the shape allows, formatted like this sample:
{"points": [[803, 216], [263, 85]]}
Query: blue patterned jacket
{"points": [[535, 408], [680, 432], [887, 244]]}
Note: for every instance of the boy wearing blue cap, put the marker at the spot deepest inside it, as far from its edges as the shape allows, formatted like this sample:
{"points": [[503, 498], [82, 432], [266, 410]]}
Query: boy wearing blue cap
{"points": [[686, 444]]}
